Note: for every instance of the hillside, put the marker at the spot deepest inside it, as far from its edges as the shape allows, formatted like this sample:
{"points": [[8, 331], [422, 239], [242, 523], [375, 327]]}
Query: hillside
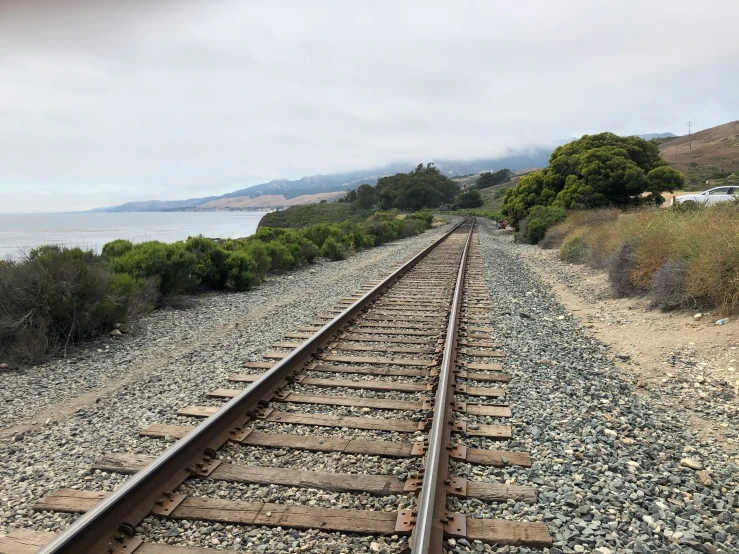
{"points": [[270, 201], [710, 148], [492, 197]]}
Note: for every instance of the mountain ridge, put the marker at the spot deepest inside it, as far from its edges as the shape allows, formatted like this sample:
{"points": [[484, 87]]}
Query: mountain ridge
{"points": [[334, 182]]}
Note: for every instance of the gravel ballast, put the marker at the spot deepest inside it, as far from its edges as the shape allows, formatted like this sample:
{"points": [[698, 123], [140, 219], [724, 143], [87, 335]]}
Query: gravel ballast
{"points": [[610, 468]]}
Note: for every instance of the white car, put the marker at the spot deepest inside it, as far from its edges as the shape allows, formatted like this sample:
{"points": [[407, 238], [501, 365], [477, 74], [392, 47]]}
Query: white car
{"points": [[709, 197]]}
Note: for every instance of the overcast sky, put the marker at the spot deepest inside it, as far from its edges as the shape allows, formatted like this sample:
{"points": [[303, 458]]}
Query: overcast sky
{"points": [[107, 102]]}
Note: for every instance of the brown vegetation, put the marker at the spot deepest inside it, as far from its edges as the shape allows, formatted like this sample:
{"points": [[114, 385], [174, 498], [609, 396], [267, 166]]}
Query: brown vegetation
{"points": [[681, 257]]}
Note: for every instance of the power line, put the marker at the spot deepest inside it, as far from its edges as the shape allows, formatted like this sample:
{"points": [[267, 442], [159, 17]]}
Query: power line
{"points": [[690, 137]]}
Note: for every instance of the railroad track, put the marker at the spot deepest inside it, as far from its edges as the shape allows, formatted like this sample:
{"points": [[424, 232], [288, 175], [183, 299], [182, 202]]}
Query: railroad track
{"points": [[410, 361]]}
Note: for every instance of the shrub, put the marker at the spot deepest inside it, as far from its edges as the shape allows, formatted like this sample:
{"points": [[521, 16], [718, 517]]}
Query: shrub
{"points": [[117, 248], [308, 250], [333, 249], [382, 232], [411, 228], [260, 254], [286, 244], [668, 289], [620, 268], [280, 256], [712, 253], [210, 261], [522, 232], [681, 256], [423, 215], [243, 271], [554, 238], [176, 268], [574, 249], [540, 219], [319, 232], [56, 297], [141, 295]]}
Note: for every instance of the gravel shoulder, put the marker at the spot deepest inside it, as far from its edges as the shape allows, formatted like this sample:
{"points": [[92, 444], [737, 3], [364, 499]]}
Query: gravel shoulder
{"points": [[619, 468], [681, 359]]}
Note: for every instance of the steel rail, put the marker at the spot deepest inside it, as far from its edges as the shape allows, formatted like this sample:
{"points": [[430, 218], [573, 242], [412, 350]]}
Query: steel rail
{"points": [[103, 527], [428, 533]]}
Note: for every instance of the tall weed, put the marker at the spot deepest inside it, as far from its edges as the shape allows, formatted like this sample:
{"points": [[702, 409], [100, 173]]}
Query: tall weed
{"points": [[682, 257]]}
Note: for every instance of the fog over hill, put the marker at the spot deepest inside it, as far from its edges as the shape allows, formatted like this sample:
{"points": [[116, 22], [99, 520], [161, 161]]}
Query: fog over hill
{"points": [[314, 188], [316, 184]]}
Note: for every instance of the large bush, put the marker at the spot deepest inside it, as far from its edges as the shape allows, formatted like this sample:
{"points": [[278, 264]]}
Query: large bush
{"points": [[595, 171], [210, 261], [540, 219], [424, 187], [469, 199], [177, 268], [55, 297], [490, 179]]}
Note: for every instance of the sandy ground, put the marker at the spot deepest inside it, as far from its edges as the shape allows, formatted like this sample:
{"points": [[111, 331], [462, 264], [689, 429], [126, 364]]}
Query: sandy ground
{"points": [[676, 358]]}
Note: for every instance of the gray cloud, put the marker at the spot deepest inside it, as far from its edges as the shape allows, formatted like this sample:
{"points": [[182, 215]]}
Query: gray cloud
{"points": [[106, 102]]}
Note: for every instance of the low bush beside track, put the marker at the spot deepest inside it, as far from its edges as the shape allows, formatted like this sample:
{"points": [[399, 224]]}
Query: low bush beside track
{"points": [[682, 257], [55, 297]]}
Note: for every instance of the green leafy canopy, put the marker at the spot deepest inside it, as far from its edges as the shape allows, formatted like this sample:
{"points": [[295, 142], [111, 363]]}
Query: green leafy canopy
{"points": [[595, 171]]}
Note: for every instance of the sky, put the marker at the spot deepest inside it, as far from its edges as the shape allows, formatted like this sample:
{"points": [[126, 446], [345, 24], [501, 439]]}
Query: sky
{"points": [[104, 102]]}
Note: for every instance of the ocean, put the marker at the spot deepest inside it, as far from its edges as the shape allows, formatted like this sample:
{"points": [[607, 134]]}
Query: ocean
{"points": [[20, 232]]}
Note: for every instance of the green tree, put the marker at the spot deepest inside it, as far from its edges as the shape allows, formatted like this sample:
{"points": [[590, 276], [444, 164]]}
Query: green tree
{"points": [[365, 196], [594, 171], [604, 176], [663, 179], [492, 178], [424, 187], [469, 199]]}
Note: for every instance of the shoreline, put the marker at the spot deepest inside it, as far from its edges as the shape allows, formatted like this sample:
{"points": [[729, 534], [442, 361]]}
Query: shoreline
{"points": [[65, 229]]}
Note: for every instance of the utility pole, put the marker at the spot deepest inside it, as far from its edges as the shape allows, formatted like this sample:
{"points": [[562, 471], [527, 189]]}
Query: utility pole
{"points": [[690, 137]]}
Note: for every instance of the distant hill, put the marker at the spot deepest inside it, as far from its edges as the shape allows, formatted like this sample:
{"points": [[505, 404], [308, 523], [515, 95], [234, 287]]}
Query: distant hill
{"points": [[711, 148], [268, 200], [314, 188], [650, 136], [156, 205]]}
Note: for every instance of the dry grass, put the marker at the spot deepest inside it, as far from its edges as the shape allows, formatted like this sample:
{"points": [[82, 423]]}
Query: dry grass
{"points": [[639, 248]]}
